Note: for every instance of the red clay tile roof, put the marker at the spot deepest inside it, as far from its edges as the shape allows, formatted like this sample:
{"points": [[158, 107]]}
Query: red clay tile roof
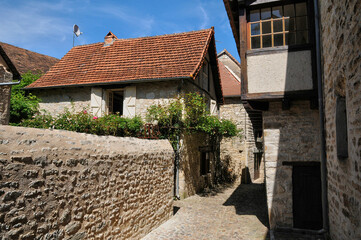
{"points": [[167, 56], [25, 60], [230, 85]]}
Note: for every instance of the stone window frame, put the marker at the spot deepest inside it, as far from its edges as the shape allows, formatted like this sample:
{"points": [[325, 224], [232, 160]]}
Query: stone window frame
{"points": [[272, 18]]}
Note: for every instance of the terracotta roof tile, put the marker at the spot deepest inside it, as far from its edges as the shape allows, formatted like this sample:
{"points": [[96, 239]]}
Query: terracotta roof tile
{"points": [[25, 60], [230, 85], [166, 56]]}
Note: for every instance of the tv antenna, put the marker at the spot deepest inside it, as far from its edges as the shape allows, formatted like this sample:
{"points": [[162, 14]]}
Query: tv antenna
{"points": [[76, 32]]}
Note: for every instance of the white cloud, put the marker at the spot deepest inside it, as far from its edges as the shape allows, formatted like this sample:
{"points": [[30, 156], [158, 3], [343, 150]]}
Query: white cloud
{"points": [[32, 21], [205, 18]]}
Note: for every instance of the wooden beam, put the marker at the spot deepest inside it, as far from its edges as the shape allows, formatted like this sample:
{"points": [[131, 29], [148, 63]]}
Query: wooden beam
{"points": [[243, 48], [255, 105]]}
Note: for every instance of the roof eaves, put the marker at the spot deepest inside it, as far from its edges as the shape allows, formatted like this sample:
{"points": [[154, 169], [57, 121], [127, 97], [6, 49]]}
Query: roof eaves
{"points": [[110, 83], [16, 74]]}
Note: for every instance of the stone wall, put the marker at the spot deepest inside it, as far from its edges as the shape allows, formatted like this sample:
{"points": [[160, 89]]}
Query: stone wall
{"points": [[340, 40], [5, 92], [233, 150], [65, 185], [289, 136], [55, 101], [190, 179], [154, 93]]}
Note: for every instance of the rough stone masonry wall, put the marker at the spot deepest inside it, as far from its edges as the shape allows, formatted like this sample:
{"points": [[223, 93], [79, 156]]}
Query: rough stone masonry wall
{"points": [[65, 185], [190, 179], [55, 101], [341, 48], [233, 154], [5, 92], [289, 135]]}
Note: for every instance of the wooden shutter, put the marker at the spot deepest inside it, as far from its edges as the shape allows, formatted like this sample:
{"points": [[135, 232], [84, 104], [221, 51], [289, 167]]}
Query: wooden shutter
{"points": [[213, 107], [96, 101], [129, 101]]}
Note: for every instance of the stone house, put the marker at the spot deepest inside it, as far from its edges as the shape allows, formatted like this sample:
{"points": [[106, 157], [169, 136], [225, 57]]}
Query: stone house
{"points": [[127, 76], [8, 73], [25, 60], [308, 92], [242, 156], [17, 61]]}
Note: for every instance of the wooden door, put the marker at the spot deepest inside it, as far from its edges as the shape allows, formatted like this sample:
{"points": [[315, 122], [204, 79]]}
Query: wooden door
{"points": [[307, 204]]}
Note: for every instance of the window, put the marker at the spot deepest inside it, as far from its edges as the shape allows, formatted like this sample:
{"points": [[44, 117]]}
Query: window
{"points": [[204, 75], [278, 26], [204, 163], [115, 102]]}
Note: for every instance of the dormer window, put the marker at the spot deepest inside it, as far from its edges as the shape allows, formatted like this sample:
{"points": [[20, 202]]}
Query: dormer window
{"points": [[278, 26]]}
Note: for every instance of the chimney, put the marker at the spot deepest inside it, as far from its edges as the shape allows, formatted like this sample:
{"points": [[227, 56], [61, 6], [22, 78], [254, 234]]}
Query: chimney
{"points": [[109, 39]]}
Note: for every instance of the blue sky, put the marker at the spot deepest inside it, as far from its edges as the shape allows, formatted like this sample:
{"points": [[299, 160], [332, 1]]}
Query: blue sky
{"points": [[46, 26]]}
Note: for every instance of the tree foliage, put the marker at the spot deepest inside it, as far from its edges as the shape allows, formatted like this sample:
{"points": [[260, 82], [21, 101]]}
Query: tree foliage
{"points": [[23, 105]]}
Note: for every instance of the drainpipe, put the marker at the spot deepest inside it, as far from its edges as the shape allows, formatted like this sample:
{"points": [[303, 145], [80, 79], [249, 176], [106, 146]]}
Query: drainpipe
{"points": [[176, 170], [321, 117]]}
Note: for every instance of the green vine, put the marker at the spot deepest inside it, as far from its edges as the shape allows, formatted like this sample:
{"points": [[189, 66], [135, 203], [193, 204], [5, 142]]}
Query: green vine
{"points": [[188, 114]]}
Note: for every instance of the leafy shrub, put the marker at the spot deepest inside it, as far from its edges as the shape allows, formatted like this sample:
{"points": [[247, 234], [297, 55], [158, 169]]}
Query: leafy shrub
{"points": [[84, 122], [196, 118], [23, 105]]}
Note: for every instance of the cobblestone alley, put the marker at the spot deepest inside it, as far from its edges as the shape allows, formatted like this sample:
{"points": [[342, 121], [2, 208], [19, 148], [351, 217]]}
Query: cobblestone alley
{"points": [[237, 212]]}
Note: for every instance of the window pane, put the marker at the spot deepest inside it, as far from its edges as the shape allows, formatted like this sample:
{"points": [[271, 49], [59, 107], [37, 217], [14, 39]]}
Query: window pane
{"points": [[301, 23], [277, 26], [277, 12], [254, 15], [290, 24], [265, 13], [255, 29], [255, 42], [289, 10], [302, 37], [290, 38], [301, 9], [278, 40], [266, 27], [267, 41]]}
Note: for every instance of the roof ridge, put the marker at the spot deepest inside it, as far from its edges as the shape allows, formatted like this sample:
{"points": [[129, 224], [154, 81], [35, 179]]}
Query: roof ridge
{"points": [[155, 36], [26, 49], [166, 35]]}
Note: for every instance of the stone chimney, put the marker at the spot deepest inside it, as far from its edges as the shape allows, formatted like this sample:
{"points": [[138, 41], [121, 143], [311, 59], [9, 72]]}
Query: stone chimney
{"points": [[109, 39]]}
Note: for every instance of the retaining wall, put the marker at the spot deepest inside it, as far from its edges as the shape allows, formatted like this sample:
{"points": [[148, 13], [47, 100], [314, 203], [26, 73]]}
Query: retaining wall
{"points": [[64, 185]]}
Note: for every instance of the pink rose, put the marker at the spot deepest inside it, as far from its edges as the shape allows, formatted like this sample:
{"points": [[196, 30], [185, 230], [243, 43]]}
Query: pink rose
{"points": [[85, 112], [95, 117]]}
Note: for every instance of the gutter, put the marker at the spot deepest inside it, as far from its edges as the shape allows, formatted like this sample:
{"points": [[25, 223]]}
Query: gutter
{"points": [[325, 218], [110, 83], [10, 83]]}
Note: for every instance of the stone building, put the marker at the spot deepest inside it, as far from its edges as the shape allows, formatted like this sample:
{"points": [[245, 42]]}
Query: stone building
{"points": [[127, 76], [15, 61], [8, 73], [25, 60], [281, 71], [341, 62], [241, 155]]}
